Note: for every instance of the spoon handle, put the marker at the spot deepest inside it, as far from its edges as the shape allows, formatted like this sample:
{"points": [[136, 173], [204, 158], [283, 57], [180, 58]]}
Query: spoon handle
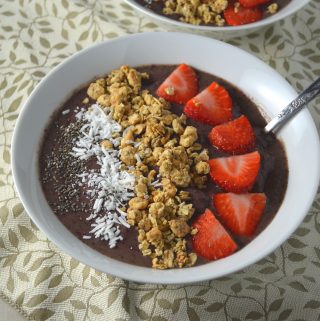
{"points": [[295, 106]]}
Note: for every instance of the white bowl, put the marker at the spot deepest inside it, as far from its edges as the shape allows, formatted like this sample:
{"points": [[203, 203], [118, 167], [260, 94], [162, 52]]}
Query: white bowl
{"points": [[220, 32], [255, 78]]}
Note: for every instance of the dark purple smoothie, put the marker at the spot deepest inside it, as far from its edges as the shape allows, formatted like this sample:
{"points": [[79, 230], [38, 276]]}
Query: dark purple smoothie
{"points": [[71, 204]]}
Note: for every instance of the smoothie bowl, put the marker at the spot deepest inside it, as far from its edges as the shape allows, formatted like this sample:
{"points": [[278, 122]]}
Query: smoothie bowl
{"points": [[222, 18], [120, 161]]}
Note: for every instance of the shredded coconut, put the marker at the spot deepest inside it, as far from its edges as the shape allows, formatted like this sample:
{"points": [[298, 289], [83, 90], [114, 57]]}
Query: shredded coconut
{"points": [[109, 186], [66, 111]]}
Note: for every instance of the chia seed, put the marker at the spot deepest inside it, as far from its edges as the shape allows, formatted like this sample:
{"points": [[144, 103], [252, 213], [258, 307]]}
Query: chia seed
{"points": [[60, 170]]}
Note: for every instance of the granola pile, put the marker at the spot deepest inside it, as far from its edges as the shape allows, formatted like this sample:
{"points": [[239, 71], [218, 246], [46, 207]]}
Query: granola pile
{"points": [[162, 152], [198, 12]]}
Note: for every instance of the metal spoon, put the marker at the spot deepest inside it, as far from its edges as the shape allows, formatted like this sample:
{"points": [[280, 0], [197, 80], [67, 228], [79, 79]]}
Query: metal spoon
{"points": [[294, 107]]}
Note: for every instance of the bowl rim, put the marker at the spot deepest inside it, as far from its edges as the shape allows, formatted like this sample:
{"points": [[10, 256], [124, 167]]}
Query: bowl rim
{"points": [[147, 274], [283, 13]]}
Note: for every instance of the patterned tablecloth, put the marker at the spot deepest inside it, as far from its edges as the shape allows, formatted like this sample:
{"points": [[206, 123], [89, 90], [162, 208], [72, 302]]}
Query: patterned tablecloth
{"points": [[44, 283]]}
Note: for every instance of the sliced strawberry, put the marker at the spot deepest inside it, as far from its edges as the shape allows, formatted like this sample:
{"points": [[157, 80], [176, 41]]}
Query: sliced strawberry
{"points": [[234, 137], [212, 106], [240, 212], [252, 3], [235, 173], [180, 85], [212, 241], [236, 15]]}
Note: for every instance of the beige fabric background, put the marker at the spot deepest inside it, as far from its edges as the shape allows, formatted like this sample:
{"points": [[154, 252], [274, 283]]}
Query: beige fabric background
{"points": [[45, 284]]}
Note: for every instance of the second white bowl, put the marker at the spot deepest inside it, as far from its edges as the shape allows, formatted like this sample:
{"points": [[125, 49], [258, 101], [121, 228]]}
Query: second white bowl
{"points": [[215, 31]]}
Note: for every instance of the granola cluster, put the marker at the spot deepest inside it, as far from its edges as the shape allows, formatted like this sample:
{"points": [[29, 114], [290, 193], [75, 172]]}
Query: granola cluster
{"points": [[198, 12], [163, 153]]}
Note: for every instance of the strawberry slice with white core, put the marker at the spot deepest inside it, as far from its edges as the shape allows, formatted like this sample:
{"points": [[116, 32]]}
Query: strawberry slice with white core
{"points": [[180, 85], [241, 213], [212, 106], [235, 173], [234, 137], [211, 241]]}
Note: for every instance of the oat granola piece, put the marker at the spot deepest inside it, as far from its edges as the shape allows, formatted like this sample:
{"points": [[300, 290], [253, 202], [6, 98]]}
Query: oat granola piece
{"points": [[154, 235], [189, 136], [145, 224], [140, 166], [104, 100], [128, 155], [181, 177], [134, 216], [128, 138], [184, 195], [177, 126], [168, 258], [139, 129], [134, 79], [200, 180], [202, 156], [169, 189], [157, 151], [158, 196], [202, 168], [119, 111], [167, 118], [174, 164], [86, 100], [119, 95], [151, 175], [138, 203], [179, 227], [95, 90], [134, 119], [171, 143], [116, 77], [106, 144], [273, 8], [157, 209], [185, 211], [141, 188], [154, 129]]}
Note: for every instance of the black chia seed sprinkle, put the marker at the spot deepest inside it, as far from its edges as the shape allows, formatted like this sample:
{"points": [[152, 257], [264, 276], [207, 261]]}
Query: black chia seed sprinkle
{"points": [[60, 171]]}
